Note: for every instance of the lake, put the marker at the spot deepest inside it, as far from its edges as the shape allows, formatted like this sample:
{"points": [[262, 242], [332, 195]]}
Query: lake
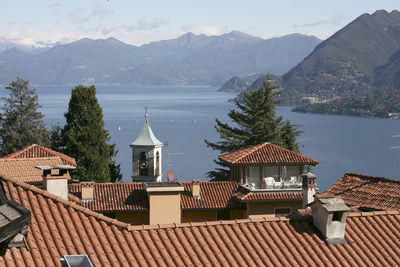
{"points": [[184, 116]]}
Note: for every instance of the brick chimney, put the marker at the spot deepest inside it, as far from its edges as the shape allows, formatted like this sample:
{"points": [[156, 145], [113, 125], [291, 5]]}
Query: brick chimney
{"points": [[196, 189], [329, 217], [87, 190], [309, 188], [55, 179], [164, 202]]}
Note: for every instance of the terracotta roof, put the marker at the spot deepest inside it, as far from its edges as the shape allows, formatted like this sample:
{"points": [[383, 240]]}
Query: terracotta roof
{"points": [[246, 195], [266, 154], [24, 169], [133, 197], [60, 227], [366, 191], [37, 151]]}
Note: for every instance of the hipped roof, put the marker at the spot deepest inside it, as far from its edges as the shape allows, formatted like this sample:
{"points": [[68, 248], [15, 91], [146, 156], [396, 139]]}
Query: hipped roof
{"points": [[267, 153]]}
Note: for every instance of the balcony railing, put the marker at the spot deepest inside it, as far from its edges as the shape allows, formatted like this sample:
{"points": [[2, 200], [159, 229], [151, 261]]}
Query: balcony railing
{"points": [[270, 183]]}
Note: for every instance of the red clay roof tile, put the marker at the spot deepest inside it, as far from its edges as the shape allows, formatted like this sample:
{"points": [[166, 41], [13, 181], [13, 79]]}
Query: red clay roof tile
{"points": [[59, 227], [366, 191], [37, 151], [113, 197], [24, 169], [266, 154], [245, 195]]}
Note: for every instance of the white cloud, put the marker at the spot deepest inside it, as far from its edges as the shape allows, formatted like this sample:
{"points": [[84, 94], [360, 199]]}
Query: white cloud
{"points": [[208, 30], [144, 25], [336, 20], [113, 27], [77, 16], [102, 12]]}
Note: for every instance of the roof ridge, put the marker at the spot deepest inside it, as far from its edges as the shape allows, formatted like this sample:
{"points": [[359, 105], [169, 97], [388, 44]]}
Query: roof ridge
{"points": [[63, 156], [206, 223], [373, 213], [294, 152], [29, 159], [253, 220], [65, 202], [251, 149], [360, 175]]}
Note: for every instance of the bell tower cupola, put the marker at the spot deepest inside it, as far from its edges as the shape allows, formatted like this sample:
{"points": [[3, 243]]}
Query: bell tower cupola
{"points": [[146, 155]]}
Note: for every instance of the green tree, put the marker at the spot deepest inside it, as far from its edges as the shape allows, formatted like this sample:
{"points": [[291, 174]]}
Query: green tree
{"points": [[254, 122], [21, 123], [85, 138]]}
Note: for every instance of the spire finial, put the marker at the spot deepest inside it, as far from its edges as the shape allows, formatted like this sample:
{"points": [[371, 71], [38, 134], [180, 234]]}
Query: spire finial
{"points": [[146, 116]]}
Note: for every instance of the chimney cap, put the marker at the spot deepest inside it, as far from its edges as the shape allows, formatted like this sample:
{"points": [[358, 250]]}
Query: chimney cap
{"points": [[55, 167], [332, 204], [309, 175]]}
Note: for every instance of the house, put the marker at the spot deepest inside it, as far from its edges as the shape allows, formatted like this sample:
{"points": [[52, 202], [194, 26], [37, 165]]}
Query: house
{"points": [[198, 200], [21, 164], [267, 166], [365, 192], [60, 229], [36, 152]]}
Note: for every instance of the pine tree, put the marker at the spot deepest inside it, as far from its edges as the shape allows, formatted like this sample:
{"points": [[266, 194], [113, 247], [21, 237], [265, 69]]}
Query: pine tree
{"points": [[254, 122], [21, 123], [85, 138]]}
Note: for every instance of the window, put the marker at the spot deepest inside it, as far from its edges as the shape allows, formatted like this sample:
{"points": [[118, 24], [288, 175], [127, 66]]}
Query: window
{"points": [[279, 212], [290, 173], [143, 164], [272, 171], [158, 163]]}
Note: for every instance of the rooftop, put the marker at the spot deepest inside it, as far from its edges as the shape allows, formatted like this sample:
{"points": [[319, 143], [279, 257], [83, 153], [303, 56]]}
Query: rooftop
{"points": [[37, 151], [133, 196], [246, 195], [60, 227], [24, 169], [267, 153], [364, 191]]}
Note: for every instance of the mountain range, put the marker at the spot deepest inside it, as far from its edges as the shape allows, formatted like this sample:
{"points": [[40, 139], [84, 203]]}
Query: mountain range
{"points": [[359, 59], [187, 60]]}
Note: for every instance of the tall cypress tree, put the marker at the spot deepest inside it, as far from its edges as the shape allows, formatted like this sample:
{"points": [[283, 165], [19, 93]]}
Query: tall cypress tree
{"points": [[254, 122], [21, 124], [85, 138]]}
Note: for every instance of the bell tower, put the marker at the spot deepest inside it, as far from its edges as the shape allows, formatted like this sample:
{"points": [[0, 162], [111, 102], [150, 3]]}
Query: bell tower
{"points": [[146, 155]]}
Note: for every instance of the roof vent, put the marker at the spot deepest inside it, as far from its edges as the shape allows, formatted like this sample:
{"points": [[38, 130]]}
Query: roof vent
{"points": [[196, 189], [329, 217], [55, 179], [76, 261], [87, 191]]}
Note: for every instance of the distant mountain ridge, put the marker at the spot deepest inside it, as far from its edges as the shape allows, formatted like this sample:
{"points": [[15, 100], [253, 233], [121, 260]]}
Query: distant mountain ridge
{"points": [[353, 61], [187, 60]]}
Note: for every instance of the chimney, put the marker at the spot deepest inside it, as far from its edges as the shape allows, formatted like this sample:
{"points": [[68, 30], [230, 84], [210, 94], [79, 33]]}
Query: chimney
{"points": [[329, 217], [55, 179], [196, 189], [309, 187], [87, 190], [164, 202]]}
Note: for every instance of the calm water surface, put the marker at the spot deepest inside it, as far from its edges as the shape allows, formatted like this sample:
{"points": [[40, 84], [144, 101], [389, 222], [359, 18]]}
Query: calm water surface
{"points": [[184, 116]]}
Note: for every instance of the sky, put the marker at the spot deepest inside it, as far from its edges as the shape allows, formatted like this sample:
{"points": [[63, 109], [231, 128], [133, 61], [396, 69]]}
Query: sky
{"points": [[139, 22]]}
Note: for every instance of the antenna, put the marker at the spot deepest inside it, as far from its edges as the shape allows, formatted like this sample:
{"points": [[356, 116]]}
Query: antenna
{"points": [[396, 147], [168, 161]]}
